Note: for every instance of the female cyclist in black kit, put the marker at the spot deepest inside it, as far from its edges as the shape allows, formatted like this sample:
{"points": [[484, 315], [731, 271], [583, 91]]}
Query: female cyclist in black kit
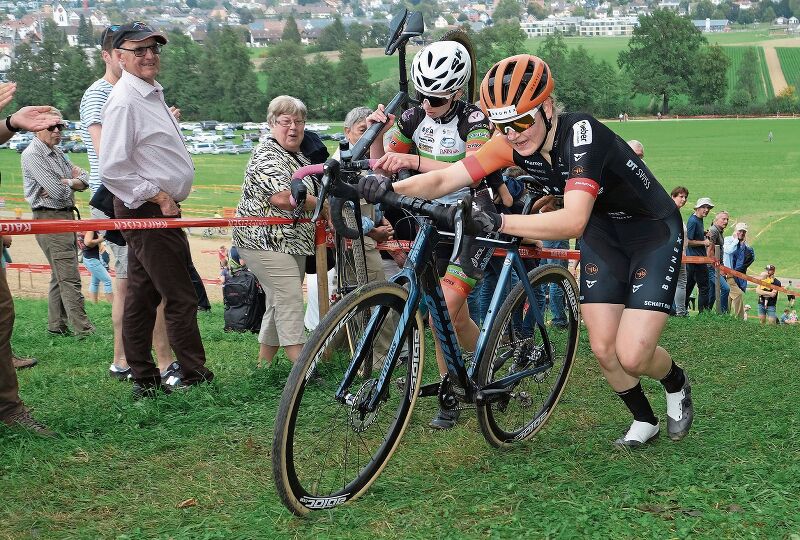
{"points": [[632, 235]]}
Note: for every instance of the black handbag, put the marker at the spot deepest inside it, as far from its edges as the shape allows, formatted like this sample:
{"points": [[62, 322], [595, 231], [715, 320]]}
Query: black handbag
{"points": [[103, 200]]}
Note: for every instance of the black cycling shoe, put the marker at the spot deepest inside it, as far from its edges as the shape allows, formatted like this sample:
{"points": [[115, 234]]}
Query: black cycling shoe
{"points": [[445, 419], [146, 390]]}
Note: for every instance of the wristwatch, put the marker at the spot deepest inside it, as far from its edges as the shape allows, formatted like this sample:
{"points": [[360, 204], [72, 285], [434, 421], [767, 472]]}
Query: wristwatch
{"points": [[10, 127]]}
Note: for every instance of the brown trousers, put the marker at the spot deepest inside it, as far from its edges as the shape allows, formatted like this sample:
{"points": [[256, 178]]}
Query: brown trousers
{"points": [[9, 388], [158, 267]]}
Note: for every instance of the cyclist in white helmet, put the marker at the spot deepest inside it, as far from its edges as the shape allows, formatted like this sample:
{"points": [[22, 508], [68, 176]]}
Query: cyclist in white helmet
{"points": [[439, 131]]}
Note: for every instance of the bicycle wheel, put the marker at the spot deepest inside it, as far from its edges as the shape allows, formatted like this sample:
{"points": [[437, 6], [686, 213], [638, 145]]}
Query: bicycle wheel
{"points": [[517, 344], [325, 451]]}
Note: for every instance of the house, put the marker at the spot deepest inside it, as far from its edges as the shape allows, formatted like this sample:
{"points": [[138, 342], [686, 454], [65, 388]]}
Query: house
{"points": [[712, 25], [5, 62]]}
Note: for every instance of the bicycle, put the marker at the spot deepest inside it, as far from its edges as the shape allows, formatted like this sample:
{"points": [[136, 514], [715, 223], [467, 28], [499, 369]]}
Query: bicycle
{"points": [[332, 438]]}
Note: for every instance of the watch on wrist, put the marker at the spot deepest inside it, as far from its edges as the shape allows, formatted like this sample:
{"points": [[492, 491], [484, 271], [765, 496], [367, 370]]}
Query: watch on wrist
{"points": [[10, 127]]}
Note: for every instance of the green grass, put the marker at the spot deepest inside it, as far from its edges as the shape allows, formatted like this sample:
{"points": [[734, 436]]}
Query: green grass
{"points": [[790, 64], [119, 468]]}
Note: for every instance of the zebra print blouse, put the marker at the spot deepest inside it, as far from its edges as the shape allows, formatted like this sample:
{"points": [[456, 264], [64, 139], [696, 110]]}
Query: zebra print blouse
{"points": [[268, 172]]}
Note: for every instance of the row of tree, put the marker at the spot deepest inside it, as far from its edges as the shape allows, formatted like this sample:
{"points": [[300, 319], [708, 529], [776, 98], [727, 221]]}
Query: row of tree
{"points": [[666, 57]]}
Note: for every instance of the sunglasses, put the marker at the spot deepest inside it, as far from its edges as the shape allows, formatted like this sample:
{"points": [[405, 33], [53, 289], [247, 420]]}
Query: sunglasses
{"points": [[59, 127], [108, 30], [433, 101], [519, 124], [139, 52]]}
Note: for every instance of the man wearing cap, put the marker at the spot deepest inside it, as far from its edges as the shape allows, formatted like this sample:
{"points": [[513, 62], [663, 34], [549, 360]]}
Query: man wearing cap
{"points": [[49, 181], [738, 256], [767, 296], [698, 243], [145, 164]]}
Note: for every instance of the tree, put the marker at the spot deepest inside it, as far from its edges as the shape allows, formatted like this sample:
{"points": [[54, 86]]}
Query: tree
{"points": [[72, 81], [553, 50], [352, 79], [539, 12], [661, 54], [85, 32], [703, 10], [378, 33], [245, 15], [285, 67], [34, 86], [710, 82], [182, 76], [234, 89], [318, 76], [333, 36], [507, 9], [290, 30], [747, 77], [358, 33]]}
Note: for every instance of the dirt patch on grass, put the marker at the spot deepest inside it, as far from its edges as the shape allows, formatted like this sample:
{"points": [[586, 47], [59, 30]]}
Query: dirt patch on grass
{"points": [[775, 70]]}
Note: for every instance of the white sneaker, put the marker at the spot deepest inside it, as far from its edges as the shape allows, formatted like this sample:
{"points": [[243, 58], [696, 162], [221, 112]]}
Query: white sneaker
{"points": [[639, 434]]}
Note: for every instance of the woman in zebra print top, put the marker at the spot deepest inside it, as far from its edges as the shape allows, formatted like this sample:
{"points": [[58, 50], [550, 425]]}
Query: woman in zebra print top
{"points": [[276, 254]]}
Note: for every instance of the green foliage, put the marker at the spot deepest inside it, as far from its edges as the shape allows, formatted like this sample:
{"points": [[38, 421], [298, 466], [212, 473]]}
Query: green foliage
{"points": [[85, 32], [73, 79], [290, 31], [540, 12], [333, 36], [496, 42], [507, 9], [661, 55], [710, 83], [352, 77], [748, 73], [285, 66], [182, 75]]}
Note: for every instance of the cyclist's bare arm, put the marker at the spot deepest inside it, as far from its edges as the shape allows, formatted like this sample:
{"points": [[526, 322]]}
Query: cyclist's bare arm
{"points": [[436, 183]]}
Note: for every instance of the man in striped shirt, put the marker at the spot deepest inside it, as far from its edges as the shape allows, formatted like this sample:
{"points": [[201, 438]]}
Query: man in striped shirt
{"points": [[92, 103], [49, 181]]}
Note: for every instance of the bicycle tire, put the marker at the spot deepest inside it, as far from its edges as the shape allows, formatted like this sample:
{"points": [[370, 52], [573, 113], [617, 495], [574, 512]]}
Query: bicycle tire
{"points": [[326, 452], [515, 344]]}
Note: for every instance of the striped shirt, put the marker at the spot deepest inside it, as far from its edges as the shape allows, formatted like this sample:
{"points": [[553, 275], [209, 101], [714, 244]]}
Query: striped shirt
{"points": [[143, 151], [91, 113], [42, 170]]}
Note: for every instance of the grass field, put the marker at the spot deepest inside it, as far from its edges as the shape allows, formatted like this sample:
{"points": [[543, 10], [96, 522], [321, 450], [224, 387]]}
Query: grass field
{"points": [[119, 469], [727, 160], [790, 64]]}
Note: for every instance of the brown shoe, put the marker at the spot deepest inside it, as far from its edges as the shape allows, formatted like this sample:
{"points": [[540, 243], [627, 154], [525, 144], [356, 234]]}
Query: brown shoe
{"points": [[21, 416], [22, 363]]}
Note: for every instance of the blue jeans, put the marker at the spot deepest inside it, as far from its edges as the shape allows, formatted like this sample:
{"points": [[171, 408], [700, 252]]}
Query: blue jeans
{"points": [[556, 295], [99, 273], [724, 291]]}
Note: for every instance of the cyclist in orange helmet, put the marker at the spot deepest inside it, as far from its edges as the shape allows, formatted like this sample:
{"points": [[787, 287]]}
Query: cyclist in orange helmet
{"points": [[632, 234]]}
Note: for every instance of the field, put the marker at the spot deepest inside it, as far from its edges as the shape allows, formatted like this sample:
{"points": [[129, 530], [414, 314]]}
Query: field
{"points": [[790, 64], [735, 55], [727, 160], [121, 469]]}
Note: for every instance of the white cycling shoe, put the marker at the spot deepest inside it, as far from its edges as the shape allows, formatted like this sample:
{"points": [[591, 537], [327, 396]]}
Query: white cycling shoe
{"points": [[639, 434], [680, 411]]}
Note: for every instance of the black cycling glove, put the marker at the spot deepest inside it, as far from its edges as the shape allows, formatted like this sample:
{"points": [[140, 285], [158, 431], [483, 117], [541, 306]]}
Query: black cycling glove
{"points": [[372, 187], [479, 222]]}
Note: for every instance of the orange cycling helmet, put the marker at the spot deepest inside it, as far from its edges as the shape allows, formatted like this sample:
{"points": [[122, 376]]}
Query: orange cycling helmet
{"points": [[515, 86]]}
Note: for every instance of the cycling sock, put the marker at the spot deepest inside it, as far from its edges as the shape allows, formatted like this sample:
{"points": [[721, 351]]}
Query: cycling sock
{"points": [[674, 380], [637, 403]]}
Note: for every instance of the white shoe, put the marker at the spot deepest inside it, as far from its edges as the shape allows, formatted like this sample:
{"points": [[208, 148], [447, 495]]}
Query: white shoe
{"points": [[639, 434]]}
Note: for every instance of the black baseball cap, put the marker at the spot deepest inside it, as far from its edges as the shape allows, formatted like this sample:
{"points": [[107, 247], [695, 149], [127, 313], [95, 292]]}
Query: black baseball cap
{"points": [[136, 31]]}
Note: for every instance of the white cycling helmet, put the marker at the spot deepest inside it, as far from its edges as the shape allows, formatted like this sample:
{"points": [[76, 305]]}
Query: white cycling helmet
{"points": [[441, 68]]}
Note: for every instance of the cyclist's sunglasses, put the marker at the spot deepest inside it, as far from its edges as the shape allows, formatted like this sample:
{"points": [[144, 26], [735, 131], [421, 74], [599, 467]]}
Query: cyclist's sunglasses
{"points": [[518, 124], [433, 101]]}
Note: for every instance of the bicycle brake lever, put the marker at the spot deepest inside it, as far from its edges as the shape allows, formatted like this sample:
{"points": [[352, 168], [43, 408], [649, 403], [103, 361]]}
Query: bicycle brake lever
{"points": [[463, 242]]}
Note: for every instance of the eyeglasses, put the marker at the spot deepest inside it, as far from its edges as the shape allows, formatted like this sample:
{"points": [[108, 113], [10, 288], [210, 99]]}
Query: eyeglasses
{"points": [[433, 101], [286, 122], [519, 124], [59, 127], [139, 52]]}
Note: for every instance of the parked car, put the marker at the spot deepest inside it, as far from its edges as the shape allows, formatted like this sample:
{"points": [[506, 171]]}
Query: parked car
{"points": [[202, 148], [228, 134], [225, 148], [244, 148], [23, 145], [251, 126], [19, 138], [78, 147], [208, 124], [338, 136]]}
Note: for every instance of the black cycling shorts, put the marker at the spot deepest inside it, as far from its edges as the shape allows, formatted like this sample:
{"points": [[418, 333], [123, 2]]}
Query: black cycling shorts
{"points": [[634, 262]]}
